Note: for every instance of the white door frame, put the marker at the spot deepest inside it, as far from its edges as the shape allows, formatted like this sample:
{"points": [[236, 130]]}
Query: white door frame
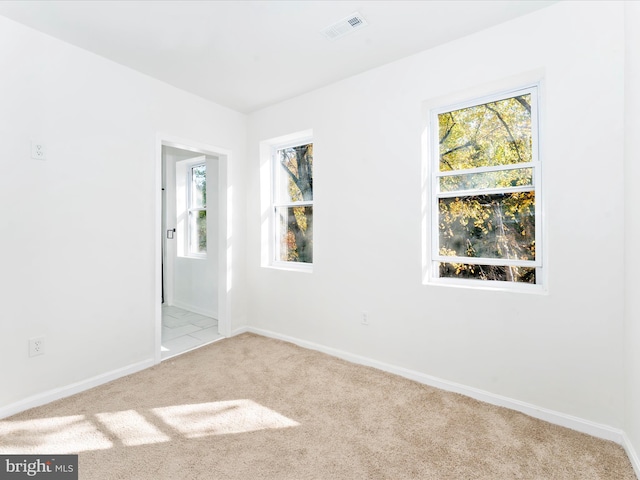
{"points": [[224, 216]]}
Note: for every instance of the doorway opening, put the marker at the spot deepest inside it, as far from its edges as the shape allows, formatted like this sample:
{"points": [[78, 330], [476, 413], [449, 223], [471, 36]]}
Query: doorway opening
{"points": [[193, 241]]}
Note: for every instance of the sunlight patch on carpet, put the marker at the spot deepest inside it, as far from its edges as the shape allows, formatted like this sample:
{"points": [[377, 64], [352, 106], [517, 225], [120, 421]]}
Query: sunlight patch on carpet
{"points": [[61, 435], [220, 418], [130, 428]]}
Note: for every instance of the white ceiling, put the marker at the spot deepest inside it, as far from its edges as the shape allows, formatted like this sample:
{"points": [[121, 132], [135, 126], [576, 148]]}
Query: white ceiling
{"points": [[250, 54]]}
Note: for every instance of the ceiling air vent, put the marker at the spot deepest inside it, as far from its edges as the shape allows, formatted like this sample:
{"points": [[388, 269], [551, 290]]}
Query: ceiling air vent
{"points": [[345, 26]]}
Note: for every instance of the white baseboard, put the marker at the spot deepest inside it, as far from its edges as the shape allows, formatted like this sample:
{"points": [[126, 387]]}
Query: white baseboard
{"points": [[631, 453], [551, 416], [191, 308], [243, 329], [68, 390]]}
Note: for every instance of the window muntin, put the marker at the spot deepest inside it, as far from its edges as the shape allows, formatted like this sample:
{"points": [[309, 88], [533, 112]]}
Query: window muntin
{"points": [[485, 184], [197, 210], [485, 180], [292, 208]]}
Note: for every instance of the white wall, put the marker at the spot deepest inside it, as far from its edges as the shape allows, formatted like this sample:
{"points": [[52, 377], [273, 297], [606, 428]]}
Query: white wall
{"points": [[78, 231], [562, 351], [632, 227]]}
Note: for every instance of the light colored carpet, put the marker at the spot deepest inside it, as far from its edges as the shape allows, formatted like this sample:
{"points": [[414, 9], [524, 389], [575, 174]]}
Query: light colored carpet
{"points": [[250, 407]]}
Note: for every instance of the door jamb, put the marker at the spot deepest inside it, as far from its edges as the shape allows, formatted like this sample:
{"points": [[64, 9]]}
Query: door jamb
{"points": [[224, 240]]}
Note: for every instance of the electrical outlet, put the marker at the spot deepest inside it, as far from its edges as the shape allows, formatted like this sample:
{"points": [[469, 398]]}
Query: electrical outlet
{"points": [[36, 346], [38, 151], [365, 318]]}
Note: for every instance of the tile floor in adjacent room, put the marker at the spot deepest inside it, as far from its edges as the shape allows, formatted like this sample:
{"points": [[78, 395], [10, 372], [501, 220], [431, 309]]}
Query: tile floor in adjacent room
{"points": [[183, 330]]}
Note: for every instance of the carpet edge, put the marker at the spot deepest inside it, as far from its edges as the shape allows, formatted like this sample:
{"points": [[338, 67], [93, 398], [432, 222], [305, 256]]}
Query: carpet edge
{"points": [[631, 453], [73, 388], [582, 425]]}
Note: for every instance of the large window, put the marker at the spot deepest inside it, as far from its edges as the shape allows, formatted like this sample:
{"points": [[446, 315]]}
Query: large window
{"points": [[292, 203], [197, 209], [485, 184]]}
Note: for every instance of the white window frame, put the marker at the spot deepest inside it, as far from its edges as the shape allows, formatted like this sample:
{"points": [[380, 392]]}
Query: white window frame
{"points": [[434, 174], [274, 242], [191, 210]]}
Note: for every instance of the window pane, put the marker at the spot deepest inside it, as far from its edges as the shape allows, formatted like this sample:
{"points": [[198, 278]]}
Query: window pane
{"points": [[295, 235], [501, 273], [294, 174], [495, 133], [473, 181], [198, 186], [488, 226], [198, 231]]}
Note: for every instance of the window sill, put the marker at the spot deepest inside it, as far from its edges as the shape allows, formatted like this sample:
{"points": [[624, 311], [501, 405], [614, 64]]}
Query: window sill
{"points": [[489, 285], [193, 257], [292, 267]]}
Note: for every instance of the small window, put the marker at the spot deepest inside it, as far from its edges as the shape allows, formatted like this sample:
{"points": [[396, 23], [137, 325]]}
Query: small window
{"points": [[292, 203], [197, 209], [485, 184]]}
